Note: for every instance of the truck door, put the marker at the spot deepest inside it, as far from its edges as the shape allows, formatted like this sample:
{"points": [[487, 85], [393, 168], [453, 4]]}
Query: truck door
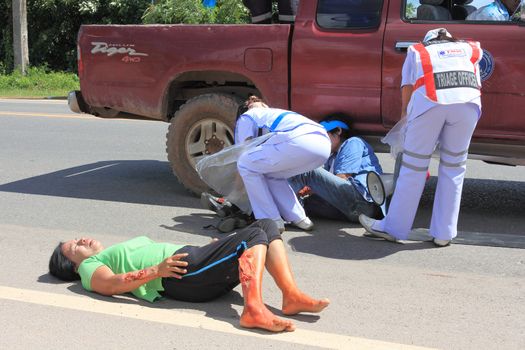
{"points": [[502, 65], [336, 60]]}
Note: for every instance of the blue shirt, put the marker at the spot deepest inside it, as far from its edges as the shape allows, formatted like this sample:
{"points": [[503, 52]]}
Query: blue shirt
{"points": [[355, 156], [491, 12]]}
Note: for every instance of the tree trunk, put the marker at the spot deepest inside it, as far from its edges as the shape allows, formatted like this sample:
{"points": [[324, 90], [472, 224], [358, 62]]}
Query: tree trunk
{"points": [[20, 46]]}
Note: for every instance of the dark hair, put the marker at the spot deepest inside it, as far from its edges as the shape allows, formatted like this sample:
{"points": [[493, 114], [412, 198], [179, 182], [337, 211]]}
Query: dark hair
{"points": [[246, 105], [345, 133], [61, 267]]}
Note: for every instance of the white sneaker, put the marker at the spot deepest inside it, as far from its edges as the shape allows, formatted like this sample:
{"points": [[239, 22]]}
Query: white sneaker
{"points": [[305, 224], [441, 242], [367, 223], [280, 225]]}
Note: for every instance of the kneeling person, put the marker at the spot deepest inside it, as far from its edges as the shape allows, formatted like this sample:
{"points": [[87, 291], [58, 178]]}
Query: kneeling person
{"points": [[189, 273]]}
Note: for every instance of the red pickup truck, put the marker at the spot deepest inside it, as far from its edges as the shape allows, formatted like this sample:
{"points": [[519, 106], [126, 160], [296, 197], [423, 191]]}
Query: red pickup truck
{"points": [[340, 56]]}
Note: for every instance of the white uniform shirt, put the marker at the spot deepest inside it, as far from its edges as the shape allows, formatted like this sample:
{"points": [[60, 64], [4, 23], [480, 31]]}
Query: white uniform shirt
{"points": [[292, 123], [419, 103]]}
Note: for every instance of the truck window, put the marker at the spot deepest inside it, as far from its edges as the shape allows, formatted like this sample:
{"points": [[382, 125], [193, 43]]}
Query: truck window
{"points": [[457, 10], [427, 10], [349, 14], [494, 11]]}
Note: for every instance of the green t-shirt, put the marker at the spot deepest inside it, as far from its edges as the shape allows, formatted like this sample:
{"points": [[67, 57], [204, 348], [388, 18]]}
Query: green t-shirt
{"points": [[133, 255]]}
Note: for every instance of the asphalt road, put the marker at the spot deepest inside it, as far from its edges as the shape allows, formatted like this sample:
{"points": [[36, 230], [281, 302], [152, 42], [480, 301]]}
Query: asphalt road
{"points": [[64, 176]]}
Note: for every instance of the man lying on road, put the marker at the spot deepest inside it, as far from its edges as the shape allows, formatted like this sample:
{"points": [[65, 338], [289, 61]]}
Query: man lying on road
{"points": [[150, 270]]}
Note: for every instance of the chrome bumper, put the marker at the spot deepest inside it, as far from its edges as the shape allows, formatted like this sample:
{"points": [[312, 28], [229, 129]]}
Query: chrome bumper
{"points": [[72, 101]]}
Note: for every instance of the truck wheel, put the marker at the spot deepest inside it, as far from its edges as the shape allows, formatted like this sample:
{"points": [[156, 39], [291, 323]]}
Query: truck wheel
{"points": [[202, 126]]}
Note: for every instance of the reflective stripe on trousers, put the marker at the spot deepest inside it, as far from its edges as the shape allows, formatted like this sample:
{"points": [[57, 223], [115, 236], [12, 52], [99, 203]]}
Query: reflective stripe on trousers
{"points": [[451, 125]]}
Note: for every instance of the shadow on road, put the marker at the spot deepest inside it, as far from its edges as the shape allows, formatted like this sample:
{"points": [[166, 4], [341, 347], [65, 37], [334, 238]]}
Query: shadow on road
{"points": [[219, 309], [487, 206], [198, 223], [328, 240], [491, 215], [130, 181]]}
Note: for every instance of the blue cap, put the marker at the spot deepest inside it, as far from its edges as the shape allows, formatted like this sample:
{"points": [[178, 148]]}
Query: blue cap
{"points": [[332, 124]]}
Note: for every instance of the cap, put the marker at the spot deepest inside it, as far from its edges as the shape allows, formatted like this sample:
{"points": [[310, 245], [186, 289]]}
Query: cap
{"points": [[332, 124], [434, 33]]}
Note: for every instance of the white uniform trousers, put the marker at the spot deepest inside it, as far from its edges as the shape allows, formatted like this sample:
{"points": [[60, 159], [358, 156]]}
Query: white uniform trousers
{"points": [[452, 126], [266, 168]]}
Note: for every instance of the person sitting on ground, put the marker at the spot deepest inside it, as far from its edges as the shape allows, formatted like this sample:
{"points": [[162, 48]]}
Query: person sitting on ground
{"points": [[150, 270], [339, 189], [499, 10]]}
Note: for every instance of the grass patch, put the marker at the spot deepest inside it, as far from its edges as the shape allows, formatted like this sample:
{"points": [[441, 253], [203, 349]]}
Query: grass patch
{"points": [[39, 82]]}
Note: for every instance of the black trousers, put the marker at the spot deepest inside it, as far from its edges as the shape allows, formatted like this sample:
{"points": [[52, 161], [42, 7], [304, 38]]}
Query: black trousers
{"points": [[213, 269]]}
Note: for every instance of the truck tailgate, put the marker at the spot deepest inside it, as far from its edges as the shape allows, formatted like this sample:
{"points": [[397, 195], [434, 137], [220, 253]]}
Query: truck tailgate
{"points": [[130, 67]]}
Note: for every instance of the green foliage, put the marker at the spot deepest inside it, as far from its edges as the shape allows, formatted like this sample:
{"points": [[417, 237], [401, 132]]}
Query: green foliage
{"points": [[410, 11], [53, 24], [179, 11], [193, 12], [53, 42], [6, 36], [232, 12], [38, 82]]}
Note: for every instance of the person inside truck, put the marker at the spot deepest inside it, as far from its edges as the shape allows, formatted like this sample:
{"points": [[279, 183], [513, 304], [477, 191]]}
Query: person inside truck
{"points": [[440, 96], [339, 189], [499, 10], [298, 145], [261, 10], [150, 270]]}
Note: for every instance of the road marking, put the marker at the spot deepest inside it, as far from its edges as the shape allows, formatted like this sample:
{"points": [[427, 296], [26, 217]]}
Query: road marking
{"points": [[185, 319], [34, 101], [68, 116], [91, 170], [53, 115]]}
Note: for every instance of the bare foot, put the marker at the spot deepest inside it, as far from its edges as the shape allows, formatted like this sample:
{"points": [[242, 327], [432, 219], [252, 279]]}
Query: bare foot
{"points": [[261, 317], [294, 304]]}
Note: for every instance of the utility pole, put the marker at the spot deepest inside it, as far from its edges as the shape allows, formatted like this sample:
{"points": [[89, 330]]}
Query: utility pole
{"points": [[20, 46]]}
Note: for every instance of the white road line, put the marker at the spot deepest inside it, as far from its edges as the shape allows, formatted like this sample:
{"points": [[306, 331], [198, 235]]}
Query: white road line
{"points": [[52, 115], [60, 115], [185, 319], [34, 101], [66, 115], [91, 170]]}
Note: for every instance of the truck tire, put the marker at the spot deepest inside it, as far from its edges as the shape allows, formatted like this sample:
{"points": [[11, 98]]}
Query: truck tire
{"points": [[202, 126]]}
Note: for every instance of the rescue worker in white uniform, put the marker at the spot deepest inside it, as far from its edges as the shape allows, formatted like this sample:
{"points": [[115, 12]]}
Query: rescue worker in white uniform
{"points": [[299, 145], [441, 99]]}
